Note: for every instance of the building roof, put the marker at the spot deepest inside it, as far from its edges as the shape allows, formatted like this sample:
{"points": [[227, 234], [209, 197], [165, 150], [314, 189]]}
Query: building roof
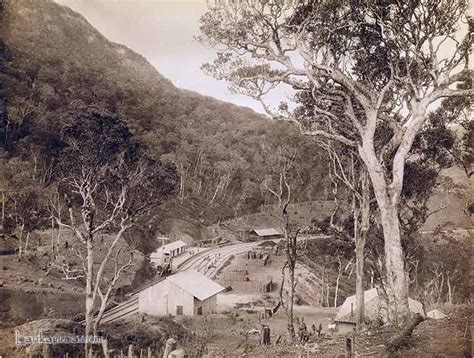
{"points": [[158, 253], [196, 284], [173, 246], [266, 232]]}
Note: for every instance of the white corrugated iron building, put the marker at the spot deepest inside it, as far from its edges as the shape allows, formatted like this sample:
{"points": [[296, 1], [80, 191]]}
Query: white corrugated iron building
{"points": [[187, 293]]}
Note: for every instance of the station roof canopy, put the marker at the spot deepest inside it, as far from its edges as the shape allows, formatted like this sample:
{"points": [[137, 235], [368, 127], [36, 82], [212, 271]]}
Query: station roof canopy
{"points": [[196, 284], [266, 232], [174, 245], [168, 248]]}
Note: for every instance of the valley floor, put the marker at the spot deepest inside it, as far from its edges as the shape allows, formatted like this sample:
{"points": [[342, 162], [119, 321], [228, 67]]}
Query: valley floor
{"points": [[225, 334]]}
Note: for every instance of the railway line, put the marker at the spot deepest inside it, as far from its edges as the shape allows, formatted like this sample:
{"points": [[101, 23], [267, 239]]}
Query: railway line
{"points": [[207, 262]]}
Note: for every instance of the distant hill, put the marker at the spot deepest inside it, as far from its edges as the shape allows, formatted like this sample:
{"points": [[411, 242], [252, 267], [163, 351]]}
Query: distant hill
{"points": [[55, 62], [450, 202]]}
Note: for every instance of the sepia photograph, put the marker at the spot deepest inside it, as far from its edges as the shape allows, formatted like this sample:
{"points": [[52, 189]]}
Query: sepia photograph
{"points": [[236, 178]]}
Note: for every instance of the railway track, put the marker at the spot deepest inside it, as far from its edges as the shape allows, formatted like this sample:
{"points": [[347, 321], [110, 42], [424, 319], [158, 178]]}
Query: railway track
{"points": [[211, 261], [123, 310], [207, 262]]}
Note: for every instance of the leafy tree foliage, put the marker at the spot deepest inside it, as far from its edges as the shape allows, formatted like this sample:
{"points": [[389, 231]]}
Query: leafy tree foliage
{"points": [[109, 182], [217, 147], [374, 72]]}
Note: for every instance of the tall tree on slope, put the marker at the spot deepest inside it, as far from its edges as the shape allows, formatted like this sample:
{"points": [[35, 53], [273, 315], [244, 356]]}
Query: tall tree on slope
{"points": [[109, 182], [368, 66]]}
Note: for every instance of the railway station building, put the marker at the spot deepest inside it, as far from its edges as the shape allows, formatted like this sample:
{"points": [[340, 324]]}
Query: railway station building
{"points": [[167, 252], [187, 293]]}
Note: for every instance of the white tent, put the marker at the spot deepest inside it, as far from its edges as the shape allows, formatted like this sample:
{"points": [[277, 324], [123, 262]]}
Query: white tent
{"points": [[373, 307], [436, 314]]}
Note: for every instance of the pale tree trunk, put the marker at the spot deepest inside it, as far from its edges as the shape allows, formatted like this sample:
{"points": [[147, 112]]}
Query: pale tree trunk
{"points": [[59, 226], [339, 273], [3, 209], [440, 291], [387, 197], [89, 293], [322, 287], [416, 274], [397, 293], [290, 324], [450, 293], [359, 313], [327, 293], [52, 236], [182, 183], [27, 241], [291, 260], [283, 194], [360, 240], [20, 246]]}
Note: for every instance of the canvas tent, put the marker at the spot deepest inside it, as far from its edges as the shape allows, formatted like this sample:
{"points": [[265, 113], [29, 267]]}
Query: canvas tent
{"points": [[436, 314], [373, 307]]}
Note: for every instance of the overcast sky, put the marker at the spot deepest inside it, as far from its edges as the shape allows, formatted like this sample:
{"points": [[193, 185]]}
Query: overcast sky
{"points": [[162, 31]]}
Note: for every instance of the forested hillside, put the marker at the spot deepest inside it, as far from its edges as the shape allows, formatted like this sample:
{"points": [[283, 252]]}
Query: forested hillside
{"points": [[56, 64]]}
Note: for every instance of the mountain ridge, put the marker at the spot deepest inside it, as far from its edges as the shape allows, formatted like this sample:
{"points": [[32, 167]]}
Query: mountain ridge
{"points": [[56, 62]]}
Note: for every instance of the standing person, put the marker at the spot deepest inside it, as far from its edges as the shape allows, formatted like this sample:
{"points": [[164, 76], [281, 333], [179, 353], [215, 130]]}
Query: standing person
{"points": [[302, 331], [266, 335]]}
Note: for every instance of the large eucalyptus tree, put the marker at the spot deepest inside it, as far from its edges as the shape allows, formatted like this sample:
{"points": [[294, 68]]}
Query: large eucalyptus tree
{"points": [[374, 70]]}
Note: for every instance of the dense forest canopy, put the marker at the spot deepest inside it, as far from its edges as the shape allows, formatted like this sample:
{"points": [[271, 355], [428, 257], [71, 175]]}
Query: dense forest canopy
{"points": [[63, 65]]}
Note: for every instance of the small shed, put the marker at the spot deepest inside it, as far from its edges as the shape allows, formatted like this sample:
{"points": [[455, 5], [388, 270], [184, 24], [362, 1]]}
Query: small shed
{"points": [[187, 293], [372, 306], [436, 314], [270, 233], [267, 245]]}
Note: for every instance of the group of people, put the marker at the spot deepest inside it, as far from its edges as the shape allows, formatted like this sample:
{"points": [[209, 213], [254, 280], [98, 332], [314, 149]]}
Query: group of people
{"points": [[302, 332]]}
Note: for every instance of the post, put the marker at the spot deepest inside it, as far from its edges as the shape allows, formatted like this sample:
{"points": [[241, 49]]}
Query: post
{"points": [[353, 342], [170, 346], [105, 347], [130, 351], [149, 353], [46, 351], [348, 347]]}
